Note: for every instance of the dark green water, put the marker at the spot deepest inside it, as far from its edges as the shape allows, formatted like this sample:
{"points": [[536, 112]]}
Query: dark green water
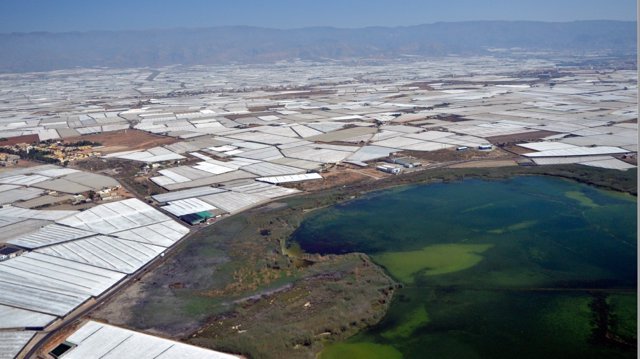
{"points": [[530, 267]]}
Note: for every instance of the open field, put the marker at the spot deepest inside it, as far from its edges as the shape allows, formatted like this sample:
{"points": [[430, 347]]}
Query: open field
{"points": [[520, 137], [125, 140], [231, 288], [336, 178], [449, 155], [485, 164], [18, 139]]}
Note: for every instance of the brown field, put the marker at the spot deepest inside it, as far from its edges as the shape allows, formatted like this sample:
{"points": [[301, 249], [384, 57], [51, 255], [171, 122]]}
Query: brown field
{"points": [[483, 164], [628, 158], [520, 137], [449, 155], [452, 118], [517, 149], [125, 140], [19, 139], [333, 178], [265, 108], [25, 163], [296, 95], [21, 164]]}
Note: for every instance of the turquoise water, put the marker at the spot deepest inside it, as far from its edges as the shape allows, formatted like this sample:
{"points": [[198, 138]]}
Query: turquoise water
{"points": [[529, 267]]}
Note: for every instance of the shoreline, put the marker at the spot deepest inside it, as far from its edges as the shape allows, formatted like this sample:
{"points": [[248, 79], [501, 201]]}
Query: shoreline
{"points": [[427, 180], [311, 272]]}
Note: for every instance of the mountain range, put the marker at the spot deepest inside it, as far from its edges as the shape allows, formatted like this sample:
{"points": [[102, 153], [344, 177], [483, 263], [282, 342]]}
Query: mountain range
{"points": [[42, 51]]}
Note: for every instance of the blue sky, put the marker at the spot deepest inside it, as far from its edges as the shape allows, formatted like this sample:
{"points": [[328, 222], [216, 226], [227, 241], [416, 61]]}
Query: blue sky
{"points": [[83, 15]]}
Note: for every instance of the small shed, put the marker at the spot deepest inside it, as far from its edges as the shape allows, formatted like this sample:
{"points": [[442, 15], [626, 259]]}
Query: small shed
{"points": [[9, 252], [193, 218]]}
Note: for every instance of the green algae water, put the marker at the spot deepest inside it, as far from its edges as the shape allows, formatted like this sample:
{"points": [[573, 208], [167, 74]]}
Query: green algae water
{"points": [[529, 267]]}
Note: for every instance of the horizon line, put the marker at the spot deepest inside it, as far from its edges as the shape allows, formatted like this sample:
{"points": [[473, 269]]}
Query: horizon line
{"points": [[306, 27]]}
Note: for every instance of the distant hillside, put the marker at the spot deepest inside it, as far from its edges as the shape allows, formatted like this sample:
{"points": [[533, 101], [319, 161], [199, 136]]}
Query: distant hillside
{"points": [[50, 51]]}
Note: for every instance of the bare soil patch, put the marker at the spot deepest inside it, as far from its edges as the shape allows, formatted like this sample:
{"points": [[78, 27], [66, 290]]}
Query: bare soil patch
{"points": [[126, 140], [333, 178], [19, 139], [449, 155], [520, 137], [484, 164]]}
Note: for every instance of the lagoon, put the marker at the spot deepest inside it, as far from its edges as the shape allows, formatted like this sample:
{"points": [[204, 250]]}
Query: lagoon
{"points": [[526, 267]]}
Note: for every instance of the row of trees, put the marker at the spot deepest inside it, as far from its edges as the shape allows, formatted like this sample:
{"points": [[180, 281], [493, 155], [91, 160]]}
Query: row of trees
{"points": [[33, 154]]}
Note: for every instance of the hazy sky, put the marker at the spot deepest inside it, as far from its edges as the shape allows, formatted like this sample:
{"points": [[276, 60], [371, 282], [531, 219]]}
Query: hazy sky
{"points": [[82, 15]]}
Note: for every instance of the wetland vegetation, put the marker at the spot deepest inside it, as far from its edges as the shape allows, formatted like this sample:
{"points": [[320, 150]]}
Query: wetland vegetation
{"points": [[528, 266], [234, 286]]}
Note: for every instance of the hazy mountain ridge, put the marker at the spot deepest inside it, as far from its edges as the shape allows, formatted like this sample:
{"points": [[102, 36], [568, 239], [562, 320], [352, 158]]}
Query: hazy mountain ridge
{"points": [[50, 51]]}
